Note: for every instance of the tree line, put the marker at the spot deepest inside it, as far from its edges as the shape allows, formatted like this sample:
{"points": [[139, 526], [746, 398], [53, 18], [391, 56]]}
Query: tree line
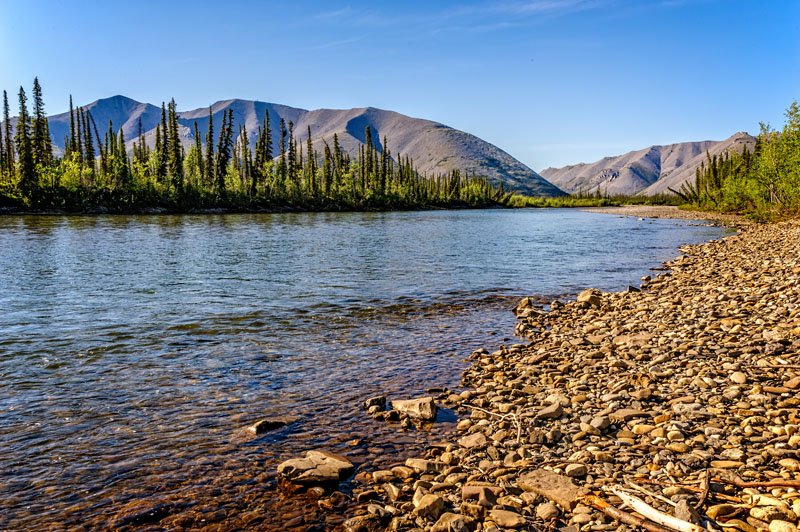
{"points": [[100, 170], [763, 183]]}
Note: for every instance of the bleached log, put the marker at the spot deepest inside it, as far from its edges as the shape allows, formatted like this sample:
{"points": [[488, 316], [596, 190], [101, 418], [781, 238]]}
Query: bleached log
{"points": [[644, 509]]}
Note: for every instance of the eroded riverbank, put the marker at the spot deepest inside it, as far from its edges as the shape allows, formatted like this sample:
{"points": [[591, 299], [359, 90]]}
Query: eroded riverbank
{"points": [[695, 377]]}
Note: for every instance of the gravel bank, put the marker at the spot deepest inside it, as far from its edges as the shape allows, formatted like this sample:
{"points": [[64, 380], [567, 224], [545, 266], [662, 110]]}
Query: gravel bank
{"points": [[663, 211], [672, 392]]}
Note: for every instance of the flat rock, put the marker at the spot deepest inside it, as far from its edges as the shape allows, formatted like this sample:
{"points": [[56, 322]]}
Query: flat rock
{"points": [[477, 439], [552, 486], [507, 519], [553, 411], [626, 414], [422, 408], [318, 467]]}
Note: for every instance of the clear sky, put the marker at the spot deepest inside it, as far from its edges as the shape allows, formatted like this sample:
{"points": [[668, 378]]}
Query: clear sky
{"points": [[552, 82]]}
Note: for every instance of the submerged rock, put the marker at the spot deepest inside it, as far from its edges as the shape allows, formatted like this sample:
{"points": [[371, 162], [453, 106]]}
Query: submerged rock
{"points": [[423, 408], [318, 467]]}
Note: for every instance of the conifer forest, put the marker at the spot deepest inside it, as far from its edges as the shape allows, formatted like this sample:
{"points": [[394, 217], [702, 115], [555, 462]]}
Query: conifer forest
{"points": [[100, 170]]}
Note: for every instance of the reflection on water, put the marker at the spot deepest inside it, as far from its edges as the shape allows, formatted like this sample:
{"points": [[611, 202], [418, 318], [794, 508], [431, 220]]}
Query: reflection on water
{"points": [[134, 349]]}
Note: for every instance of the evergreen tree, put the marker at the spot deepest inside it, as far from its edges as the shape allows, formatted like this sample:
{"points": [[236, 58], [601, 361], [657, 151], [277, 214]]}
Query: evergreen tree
{"points": [[26, 169], [121, 164], [42, 145], [198, 146], [78, 135], [312, 170], [163, 167], [88, 145], [72, 146], [9, 153], [224, 151], [175, 149], [209, 174], [282, 147], [292, 155]]}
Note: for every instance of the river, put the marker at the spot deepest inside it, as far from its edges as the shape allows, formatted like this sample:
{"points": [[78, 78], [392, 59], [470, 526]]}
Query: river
{"points": [[134, 350]]}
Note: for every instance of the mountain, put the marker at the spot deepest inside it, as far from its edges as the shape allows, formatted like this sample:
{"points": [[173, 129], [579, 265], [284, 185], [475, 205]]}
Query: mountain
{"points": [[649, 171], [434, 147]]}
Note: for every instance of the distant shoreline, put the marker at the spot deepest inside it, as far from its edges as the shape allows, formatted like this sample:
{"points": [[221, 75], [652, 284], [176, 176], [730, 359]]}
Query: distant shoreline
{"points": [[666, 212]]}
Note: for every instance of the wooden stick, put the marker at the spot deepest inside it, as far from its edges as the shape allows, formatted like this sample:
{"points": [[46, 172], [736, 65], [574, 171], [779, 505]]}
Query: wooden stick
{"points": [[660, 497], [623, 517], [705, 492], [641, 507], [693, 489], [739, 483]]}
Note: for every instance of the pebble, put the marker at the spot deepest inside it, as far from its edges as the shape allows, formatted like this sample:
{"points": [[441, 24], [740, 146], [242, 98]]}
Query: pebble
{"points": [[696, 371]]}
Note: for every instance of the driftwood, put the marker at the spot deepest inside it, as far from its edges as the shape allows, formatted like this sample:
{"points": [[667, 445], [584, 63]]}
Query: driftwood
{"points": [[641, 507], [623, 517], [562, 491], [693, 489], [739, 483], [705, 492]]}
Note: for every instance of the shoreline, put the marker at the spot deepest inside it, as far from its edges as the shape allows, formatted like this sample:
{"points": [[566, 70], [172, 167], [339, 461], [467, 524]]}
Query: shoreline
{"points": [[665, 212], [694, 376]]}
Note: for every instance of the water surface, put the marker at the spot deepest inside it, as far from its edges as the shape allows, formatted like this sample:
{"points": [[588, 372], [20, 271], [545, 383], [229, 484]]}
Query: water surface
{"points": [[134, 349]]}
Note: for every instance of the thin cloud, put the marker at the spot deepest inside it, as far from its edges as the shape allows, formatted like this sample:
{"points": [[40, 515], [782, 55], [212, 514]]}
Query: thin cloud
{"points": [[334, 44], [339, 13]]}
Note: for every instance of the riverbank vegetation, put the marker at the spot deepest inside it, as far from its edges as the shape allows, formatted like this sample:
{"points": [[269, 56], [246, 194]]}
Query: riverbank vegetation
{"points": [[101, 170], [763, 183]]}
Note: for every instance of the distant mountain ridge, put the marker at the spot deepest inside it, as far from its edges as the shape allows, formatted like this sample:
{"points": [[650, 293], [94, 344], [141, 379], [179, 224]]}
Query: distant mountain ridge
{"points": [[434, 147], [649, 171]]}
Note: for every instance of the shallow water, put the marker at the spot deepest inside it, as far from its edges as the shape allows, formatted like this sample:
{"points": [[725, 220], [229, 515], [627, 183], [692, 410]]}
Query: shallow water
{"points": [[134, 349]]}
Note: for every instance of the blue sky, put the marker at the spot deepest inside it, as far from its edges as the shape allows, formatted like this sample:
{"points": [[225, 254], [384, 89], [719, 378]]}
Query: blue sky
{"points": [[552, 82]]}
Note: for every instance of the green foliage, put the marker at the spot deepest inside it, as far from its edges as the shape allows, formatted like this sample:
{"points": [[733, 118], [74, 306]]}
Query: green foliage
{"points": [[763, 184], [103, 173]]}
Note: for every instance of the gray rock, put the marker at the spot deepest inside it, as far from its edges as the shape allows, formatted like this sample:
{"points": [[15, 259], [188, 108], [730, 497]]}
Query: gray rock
{"points": [[422, 408], [318, 467]]}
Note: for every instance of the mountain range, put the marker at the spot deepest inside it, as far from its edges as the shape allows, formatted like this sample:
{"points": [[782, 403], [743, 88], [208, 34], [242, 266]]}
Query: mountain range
{"points": [[649, 171], [434, 147]]}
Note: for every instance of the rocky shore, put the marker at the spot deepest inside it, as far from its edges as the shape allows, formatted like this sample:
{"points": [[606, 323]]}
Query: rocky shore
{"points": [[663, 211], [682, 394]]}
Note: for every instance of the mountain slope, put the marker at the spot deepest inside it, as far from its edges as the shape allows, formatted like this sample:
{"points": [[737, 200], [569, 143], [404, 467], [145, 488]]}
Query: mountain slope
{"points": [[434, 148], [649, 171]]}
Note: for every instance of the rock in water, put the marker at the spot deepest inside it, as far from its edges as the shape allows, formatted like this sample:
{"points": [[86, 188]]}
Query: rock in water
{"points": [[422, 408], [264, 425], [318, 467]]}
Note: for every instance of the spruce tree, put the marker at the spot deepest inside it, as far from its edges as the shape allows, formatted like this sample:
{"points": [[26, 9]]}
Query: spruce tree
{"points": [[88, 145], [224, 149], [2, 156], [175, 149], [42, 145], [9, 155], [72, 146], [164, 148], [267, 137], [78, 135], [282, 147], [26, 170], [122, 169], [210, 149], [198, 146], [292, 155], [311, 173]]}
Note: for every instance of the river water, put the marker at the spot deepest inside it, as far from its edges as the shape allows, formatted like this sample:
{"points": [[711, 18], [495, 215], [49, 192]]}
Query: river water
{"points": [[135, 349]]}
